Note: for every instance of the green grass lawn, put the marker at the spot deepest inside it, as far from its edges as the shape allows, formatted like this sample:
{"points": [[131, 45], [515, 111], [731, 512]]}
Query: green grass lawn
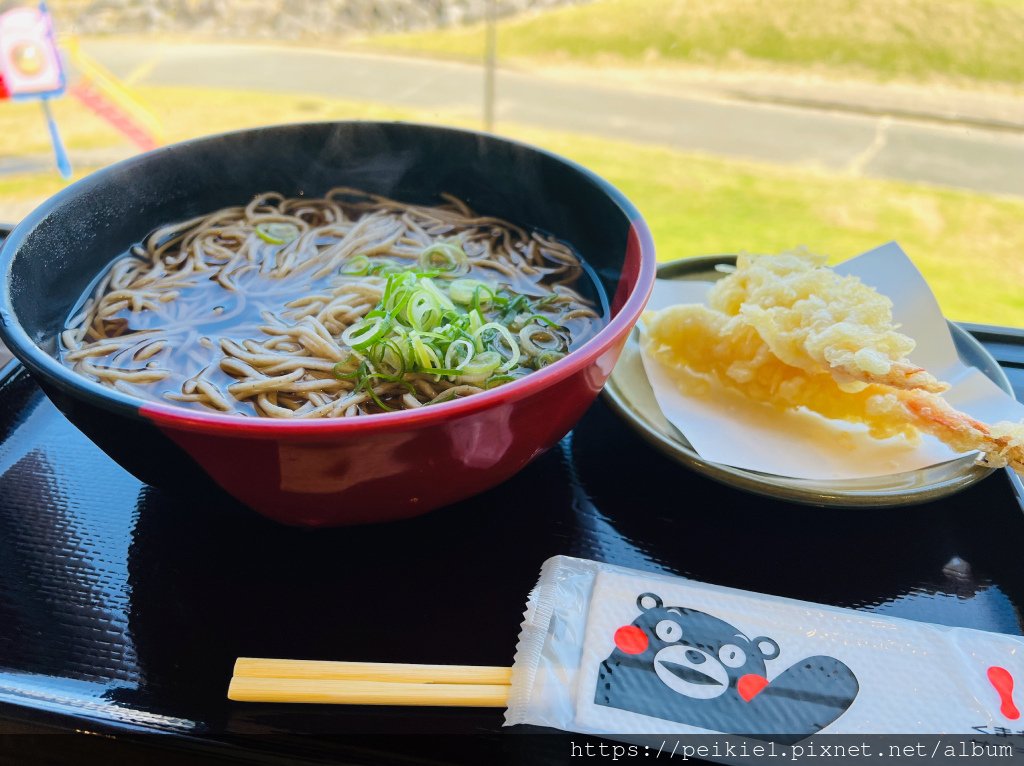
{"points": [[968, 245], [958, 41]]}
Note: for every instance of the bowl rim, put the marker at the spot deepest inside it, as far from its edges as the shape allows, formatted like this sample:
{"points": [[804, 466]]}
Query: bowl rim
{"points": [[181, 418]]}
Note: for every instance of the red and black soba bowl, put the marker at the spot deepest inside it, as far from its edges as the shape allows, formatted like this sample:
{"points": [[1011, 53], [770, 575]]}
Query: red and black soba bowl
{"points": [[342, 470]]}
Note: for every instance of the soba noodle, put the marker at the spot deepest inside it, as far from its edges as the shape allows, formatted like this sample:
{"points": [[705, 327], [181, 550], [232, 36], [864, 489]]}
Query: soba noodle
{"points": [[345, 305]]}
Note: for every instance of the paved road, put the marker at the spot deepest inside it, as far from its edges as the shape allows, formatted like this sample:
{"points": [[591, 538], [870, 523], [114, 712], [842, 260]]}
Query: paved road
{"points": [[972, 158]]}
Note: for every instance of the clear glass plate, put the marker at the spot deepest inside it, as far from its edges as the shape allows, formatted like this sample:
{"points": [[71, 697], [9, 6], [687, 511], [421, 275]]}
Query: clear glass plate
{"points": [[630, 394]]}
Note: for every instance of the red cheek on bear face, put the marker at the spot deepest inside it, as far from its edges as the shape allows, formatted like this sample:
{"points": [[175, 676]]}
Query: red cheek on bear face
{"points": [[631, 640], [750, 685]]}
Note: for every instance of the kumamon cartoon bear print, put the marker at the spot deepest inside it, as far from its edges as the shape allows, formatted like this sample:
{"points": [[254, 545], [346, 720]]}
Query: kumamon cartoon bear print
{"points": [[686, 666]]}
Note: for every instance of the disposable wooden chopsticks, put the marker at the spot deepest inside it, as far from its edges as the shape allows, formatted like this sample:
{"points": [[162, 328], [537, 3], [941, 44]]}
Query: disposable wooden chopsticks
{"points": [[257, 667], [368, 683]]}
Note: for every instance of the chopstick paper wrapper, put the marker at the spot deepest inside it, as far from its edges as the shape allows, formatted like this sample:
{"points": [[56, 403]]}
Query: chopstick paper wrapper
{"points": [[613, 652], [725, 428], [610, 651]]}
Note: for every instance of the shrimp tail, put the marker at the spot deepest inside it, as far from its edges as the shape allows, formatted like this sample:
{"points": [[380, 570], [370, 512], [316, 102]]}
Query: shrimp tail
{"points": [[1001, 444]]}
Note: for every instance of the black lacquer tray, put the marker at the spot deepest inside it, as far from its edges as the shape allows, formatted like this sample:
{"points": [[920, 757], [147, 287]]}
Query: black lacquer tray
{"points": [[123, 608]]}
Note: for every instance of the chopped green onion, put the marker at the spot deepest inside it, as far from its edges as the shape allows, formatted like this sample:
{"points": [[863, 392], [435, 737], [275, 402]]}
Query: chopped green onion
{"points": [[385, 266], [427, 284], [423, 310], [497, 380], [548, 357], [367, 381], [387, 355], [447, 396], [397, 291], [367, 384], [488, 361], [536, 339], [512, 309], [277, 233], [486, 340], [546, 320], [459, 352], [367, 331], [349, 368], [424, 355], [471, 292], [455, 329], [377, 400], [356, 266], [480, 367], [444, 256]]}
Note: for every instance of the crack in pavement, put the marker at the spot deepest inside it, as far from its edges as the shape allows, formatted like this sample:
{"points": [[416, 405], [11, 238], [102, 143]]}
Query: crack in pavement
{"points": [[861, 160]]}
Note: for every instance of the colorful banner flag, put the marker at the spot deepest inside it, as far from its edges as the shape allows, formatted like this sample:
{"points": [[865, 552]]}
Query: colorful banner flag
{"points": [[29, 61]]}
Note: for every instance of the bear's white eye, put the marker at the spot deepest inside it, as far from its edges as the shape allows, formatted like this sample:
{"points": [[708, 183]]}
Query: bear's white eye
{"points": [[668, 630], [732, 656]]}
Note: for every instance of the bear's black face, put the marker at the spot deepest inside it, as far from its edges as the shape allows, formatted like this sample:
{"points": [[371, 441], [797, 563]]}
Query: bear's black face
{"points": [[683, 665], [692, 653]]}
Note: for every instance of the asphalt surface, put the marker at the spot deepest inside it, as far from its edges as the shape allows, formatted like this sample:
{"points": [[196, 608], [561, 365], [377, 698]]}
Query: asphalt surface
{"points": [[871, 145]]}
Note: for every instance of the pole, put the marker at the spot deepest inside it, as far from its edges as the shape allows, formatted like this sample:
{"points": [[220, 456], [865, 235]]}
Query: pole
{"points": [[490, 62], [63, 163]]}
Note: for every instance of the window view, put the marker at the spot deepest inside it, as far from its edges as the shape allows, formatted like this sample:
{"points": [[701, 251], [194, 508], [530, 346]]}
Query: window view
{"points": [[498, 381], [736, 125]]}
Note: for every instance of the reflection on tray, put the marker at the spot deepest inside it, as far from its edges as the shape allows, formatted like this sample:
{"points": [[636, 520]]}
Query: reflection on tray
{"points": [[129, 605]]}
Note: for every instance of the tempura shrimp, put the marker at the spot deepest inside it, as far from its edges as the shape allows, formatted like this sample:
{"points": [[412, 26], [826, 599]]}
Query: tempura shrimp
{"points": [[820, 321], [781, 331]]}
